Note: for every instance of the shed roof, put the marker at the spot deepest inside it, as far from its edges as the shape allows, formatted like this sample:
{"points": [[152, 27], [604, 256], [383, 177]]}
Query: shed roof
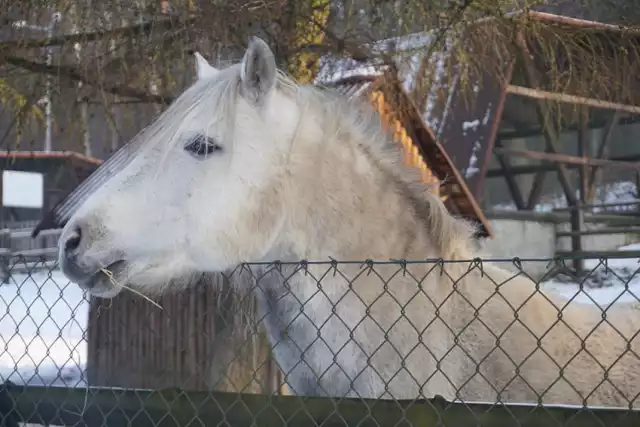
{"points": [[431, 81], [11, 155], [65, 169], [68, 165]]}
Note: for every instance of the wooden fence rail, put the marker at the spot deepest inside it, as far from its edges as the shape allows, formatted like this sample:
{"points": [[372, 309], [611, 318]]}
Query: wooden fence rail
{"points": [[627, 222], [34, 253], [19, 241], [97, 407]]}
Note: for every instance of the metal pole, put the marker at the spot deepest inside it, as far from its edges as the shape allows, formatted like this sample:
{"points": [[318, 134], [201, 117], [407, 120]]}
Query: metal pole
{"points": [[577, 225], [48, 146]]}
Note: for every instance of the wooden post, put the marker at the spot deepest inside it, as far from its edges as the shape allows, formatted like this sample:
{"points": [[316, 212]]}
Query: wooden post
{"points": [[543, 111], [583, 152], [5, 255], [273, 383], [577, 220], [512, 184], [602, 153], [638, 190]]}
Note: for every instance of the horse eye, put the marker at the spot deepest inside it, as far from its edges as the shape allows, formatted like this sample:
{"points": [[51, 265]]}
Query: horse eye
{"points": [[201, 146]]}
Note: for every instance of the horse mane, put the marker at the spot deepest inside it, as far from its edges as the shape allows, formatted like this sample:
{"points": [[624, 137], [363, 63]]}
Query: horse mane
{"points": [[357, 120]]}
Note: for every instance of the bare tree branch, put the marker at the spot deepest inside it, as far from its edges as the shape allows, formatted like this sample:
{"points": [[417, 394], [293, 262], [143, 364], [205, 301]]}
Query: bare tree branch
{"points": [[73, 74], [131, 32]]}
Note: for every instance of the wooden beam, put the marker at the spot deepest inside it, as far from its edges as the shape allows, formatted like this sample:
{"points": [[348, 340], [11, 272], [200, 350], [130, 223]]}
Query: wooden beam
{"points": [[497, 116], [542, 111], [570, 99], [512, 184], [568, 159], [602, 206], [583, 152], [529, 169], [562, 217], [602, 153], [577, 224], [563, 175], [637, 188], [523, 170], [581, 255], [597, 124], [536, 189], [600, 231], [537, 186]]}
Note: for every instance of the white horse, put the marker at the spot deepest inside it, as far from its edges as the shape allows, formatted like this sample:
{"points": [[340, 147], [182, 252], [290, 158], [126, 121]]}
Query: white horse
{"points": [[248, 166]]}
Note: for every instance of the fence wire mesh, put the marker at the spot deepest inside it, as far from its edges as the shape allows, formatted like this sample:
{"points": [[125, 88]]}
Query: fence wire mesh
{"points": [[432, 343]]}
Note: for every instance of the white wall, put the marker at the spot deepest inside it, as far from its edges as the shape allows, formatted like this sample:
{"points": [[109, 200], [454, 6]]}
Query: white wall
{"points": [[599, 242], [526, 238], [523, 239]]}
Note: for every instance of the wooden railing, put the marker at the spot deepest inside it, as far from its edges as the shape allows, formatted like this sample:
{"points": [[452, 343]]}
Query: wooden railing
{"points": [[624, 218], [32, 253]]}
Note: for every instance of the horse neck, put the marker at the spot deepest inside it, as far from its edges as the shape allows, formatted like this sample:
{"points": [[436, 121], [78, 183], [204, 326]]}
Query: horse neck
{"points": [[341, 205]]}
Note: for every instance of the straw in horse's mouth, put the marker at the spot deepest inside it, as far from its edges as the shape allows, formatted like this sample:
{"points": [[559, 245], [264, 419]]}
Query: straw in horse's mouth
{"points": [[109, 273]]}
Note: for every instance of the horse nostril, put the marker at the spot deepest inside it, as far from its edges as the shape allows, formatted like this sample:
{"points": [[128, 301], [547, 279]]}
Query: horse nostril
{"points": [[73, 242]]}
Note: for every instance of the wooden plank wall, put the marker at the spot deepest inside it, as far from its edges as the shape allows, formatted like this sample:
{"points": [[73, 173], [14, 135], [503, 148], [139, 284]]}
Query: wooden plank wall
{"points": [[132, 343]]}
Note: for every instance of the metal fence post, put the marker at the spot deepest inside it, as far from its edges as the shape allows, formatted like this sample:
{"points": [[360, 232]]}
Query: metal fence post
{"points": [[577, 222]]}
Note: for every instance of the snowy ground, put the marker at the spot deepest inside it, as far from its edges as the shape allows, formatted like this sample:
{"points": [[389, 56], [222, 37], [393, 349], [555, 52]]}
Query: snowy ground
{"points": [[44, 317], [616, 280], [41, 330]]}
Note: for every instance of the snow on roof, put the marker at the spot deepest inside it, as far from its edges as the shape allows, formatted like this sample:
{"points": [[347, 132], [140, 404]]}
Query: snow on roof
{"points": [[333, 69]]}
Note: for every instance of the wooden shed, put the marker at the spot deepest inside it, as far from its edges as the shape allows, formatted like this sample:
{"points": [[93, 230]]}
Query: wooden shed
{"points": [[196, 339], [62, 172], [55, 174]]}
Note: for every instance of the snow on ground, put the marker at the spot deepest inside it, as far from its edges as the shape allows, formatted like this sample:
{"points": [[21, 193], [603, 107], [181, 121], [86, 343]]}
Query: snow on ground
{"points": [[617, 280], [42, 323], [614, 281]]}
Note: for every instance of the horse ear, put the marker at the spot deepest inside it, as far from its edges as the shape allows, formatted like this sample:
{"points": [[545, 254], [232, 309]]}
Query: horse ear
{"points": [[258, 70], [203, 68]]}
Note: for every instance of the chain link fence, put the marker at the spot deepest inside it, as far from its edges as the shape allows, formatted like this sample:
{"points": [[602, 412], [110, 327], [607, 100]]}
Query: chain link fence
{"points": [[431, 343]]}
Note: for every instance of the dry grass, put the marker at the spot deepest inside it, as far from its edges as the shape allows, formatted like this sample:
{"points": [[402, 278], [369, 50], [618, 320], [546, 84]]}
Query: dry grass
{"points": [[114, 282]]}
